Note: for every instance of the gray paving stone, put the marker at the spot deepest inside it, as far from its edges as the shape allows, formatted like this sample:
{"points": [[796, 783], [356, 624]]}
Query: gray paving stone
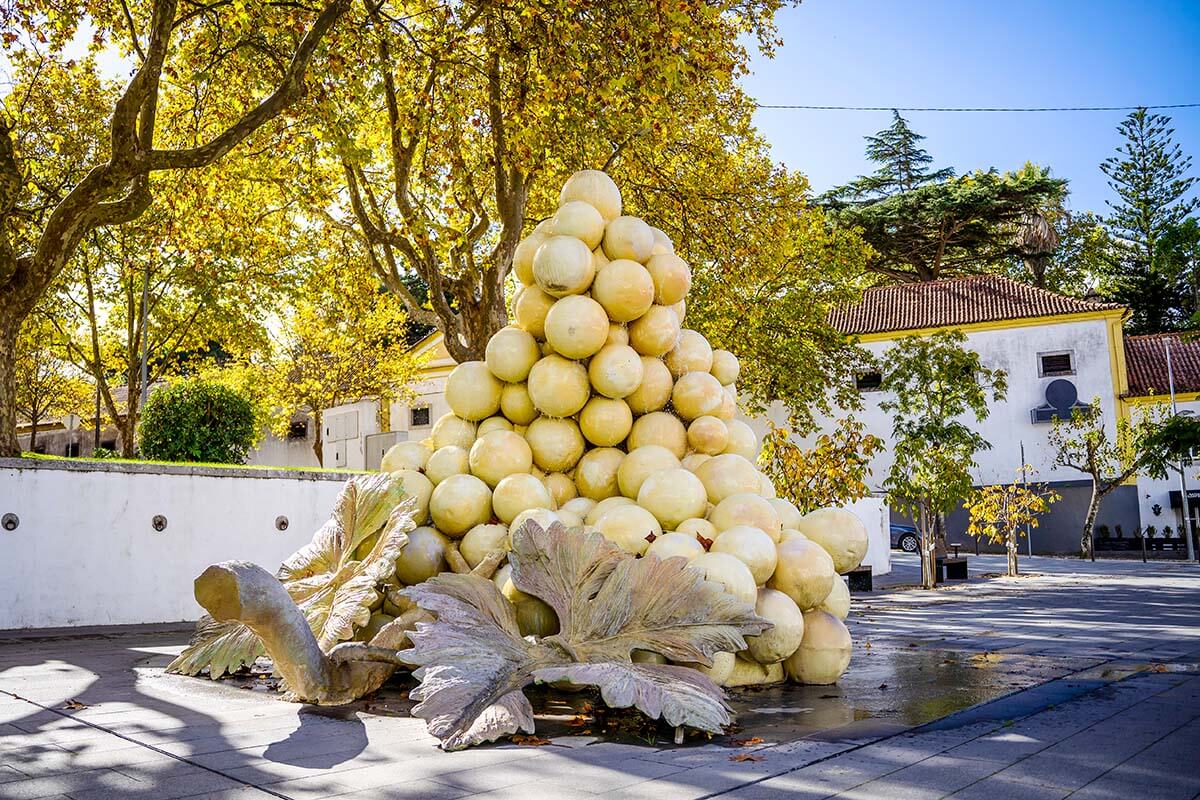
{"points": [[996, 788]]}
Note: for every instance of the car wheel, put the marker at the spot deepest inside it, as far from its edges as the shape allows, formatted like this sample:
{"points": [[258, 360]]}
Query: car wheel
{"points": [[909, 543]]}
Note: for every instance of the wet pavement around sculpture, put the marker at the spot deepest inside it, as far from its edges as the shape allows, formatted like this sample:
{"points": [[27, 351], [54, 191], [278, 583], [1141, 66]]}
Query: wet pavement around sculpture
{"points": [[1076, 679]]}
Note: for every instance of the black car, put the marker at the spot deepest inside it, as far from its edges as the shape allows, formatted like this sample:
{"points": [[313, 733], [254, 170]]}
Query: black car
{"points": [[905, 537]]}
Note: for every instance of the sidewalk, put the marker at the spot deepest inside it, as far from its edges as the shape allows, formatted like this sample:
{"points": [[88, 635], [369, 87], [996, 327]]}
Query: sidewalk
{"points": [[1083, 679]]}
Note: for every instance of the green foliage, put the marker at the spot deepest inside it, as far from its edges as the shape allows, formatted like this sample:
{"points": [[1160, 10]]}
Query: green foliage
{"points": [[104, 454], [1001, 513], [933, 382], [1148, 443], [954, 227], [195, 420], [1152, 265], [903, 164], [832, 472]]}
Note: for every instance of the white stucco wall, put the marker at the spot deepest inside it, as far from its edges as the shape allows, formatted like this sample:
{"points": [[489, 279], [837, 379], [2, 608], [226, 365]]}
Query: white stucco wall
{"points": [[1008, 425], [873, 511], [1157, 491], [85, 552]]}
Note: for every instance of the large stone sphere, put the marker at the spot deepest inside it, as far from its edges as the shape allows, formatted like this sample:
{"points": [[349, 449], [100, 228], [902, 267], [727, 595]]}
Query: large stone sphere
{"points": [[698, 526], [445, 462], [496, 423], [691, 354], [579, 219], [672, 278], [563, 266], [655, 332], [782, 640], [804, 572], [788, 514], [752, 547], [404, 455], [516, 404], [838, 601], [742, 440], [594, 188], [596, 473], [725, 367], [730, 572], [707, 435], [511, 353], [472, 391], [630, 527], [452, 430], [422, 557], [625, 289], [419, 488], [697, 394], [561, 487], [481, 540], [641, 464], [530, 307], [616, 371], [673, 544], [498, 454], [580, 506], [628, 237], [661, 428], [518, 493], [605, 422], [672, 496], [840, 532], [727, 474], [557, 444], [654, 392], [577, 327], [746, 508], [603, 507], [558, 387], [459, 503], [824, 652]]}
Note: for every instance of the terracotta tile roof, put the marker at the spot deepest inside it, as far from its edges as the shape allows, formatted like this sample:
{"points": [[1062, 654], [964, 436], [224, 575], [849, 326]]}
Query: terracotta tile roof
{"points": [[1146, 363], [954, 301]]}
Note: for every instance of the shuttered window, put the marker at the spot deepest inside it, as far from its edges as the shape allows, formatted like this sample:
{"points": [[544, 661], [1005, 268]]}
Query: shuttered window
{"points": [[1051, 364]]}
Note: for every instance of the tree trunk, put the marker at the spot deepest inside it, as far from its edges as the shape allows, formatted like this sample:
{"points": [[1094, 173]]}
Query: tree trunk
{"points": [[928, 574], [1086, 546], [33, 435], [318, 444], [127, 425], [1011, 542], [9, 446]]}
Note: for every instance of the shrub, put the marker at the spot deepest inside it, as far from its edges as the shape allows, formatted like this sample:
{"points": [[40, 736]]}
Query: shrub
{"points": [[197, 420], [103, 453]]}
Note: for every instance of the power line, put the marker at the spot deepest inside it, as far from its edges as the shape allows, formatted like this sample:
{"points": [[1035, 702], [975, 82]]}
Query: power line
{"points": [[975, 110]]}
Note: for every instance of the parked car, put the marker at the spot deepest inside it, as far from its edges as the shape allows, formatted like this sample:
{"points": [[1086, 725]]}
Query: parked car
{"points": [[905, 537]]}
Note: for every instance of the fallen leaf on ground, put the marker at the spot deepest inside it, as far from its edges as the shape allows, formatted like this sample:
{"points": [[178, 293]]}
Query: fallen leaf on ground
{"points": [[746, 757], [530, 741], [74, 705], [753, 740], [1159, 668]]}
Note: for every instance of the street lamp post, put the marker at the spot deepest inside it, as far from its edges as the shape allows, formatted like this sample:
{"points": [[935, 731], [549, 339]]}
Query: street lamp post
{"points": [[1183, 495]]}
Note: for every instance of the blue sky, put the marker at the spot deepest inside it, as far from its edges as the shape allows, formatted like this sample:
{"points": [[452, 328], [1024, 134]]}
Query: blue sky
{"points": [[978, 53]]}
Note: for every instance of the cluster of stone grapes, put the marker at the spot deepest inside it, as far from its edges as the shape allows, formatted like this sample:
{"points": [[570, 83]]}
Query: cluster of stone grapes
{"points": [[599, 410]]}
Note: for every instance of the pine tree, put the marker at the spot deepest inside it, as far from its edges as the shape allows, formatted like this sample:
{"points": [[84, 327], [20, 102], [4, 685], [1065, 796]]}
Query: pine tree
{"points": [[903, 163], [1149, 176]]}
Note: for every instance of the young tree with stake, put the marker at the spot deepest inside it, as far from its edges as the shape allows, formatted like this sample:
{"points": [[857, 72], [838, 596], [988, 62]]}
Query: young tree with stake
{"points": [[1002, 512]]}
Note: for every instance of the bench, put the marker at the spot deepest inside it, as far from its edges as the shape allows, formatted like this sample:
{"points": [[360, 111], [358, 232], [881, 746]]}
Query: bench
{"points": [[951, 568], [859, 579]]}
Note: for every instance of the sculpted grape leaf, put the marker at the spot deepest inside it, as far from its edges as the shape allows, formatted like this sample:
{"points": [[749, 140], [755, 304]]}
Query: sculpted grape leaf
{"points": [[333, 589], [679, 695], [474, 663]]}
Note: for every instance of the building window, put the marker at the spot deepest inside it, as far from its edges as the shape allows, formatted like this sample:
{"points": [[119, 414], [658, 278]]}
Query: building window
{"points": [[868, 382], [298, 430], [72, 450], [1052, 365], [419, 417], [109, 444]]}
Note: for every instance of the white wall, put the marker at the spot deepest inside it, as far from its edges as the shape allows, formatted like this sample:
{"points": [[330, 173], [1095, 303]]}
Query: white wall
{"points": [[1152, 491], [1008, 424], [85, 552], [275, 452], [873, 511]]}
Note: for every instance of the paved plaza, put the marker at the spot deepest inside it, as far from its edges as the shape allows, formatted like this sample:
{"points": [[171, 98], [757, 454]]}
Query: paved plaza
{"points": [[1079, 680]]}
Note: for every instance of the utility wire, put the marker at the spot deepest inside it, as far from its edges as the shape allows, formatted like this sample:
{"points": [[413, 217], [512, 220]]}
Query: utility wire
{"points": [[972, 110]]}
